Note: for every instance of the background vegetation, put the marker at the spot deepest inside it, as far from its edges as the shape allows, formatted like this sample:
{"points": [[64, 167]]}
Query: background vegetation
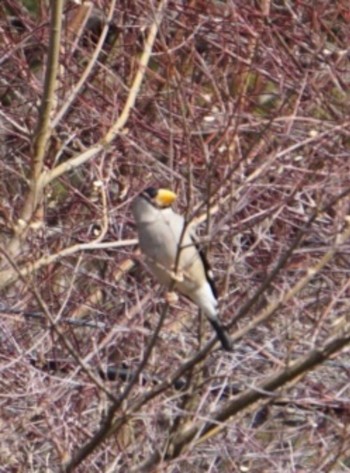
{"points": [[240, 106]]}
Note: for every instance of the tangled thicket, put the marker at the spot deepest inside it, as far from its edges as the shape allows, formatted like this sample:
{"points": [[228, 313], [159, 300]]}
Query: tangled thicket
{"points": [[243, 108]]}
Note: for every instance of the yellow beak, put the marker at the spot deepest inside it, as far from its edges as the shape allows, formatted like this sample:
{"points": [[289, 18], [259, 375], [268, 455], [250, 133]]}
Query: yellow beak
{"points": [[165, 197]]}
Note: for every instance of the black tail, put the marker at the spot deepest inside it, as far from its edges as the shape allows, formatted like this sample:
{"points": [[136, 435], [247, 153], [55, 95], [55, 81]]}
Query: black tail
{"points": [[222, 335]]}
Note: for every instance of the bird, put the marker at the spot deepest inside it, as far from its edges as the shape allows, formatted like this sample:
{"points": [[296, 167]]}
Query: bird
{"points": [[173, 254]]}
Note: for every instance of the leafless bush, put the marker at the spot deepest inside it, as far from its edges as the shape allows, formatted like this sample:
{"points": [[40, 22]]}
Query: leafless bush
{"points": [[240, 106]]}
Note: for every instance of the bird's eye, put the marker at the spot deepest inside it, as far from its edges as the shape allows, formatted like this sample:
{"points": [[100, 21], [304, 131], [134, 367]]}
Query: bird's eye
{"points": [[151, 192]]}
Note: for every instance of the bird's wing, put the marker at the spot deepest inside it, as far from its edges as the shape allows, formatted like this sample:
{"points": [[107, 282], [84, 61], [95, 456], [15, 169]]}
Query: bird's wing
{"points": [[206, 265]]}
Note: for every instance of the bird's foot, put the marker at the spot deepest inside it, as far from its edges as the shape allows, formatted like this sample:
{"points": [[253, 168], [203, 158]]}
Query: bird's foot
{"points": [[178, 276], [171, 297]]}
